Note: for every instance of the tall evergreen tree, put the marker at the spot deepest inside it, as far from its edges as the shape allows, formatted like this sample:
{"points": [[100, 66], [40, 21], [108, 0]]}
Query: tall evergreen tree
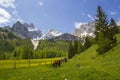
{"points": [[101, 22], [103, 43], [113, 26], [87, 43], [80, 48], [104, 32], [70, 50], [75, 47]]}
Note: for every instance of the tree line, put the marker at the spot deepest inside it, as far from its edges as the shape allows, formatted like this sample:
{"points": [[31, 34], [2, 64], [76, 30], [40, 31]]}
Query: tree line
{"points": [[105, 38]]}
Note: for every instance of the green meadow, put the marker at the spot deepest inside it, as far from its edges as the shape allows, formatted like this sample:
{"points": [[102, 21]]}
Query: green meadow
{"points": [[88, 65]]}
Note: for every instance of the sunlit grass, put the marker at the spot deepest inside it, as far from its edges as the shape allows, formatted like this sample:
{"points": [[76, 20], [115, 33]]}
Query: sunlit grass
{"points": [[24, 63]]}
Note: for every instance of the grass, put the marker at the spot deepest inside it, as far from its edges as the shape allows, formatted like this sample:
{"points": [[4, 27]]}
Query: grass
{"points": [[24, 63], [85, 66]]}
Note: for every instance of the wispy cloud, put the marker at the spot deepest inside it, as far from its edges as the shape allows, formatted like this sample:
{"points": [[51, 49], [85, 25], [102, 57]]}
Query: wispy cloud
{"points": [[40, 2], [5, 16], [16, 17], [113, 13], [7, 3], [79, 24], [90, 16]]}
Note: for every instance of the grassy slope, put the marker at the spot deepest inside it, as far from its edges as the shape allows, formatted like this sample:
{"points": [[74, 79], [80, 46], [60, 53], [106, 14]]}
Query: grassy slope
{"points": [[85, 66], [94, 66]]}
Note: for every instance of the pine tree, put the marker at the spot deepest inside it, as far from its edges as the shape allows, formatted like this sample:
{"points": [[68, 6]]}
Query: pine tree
{"points": [[101, 22], [75, 48], [103, 43], [80, 48], [113, 27], [70, 50], [87, 43], [105, 32]]}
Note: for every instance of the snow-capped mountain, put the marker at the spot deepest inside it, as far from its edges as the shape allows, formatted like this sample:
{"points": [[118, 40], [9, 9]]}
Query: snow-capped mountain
{"points": [[51, 34], [26, 30], [66, 37], [85, 29]]}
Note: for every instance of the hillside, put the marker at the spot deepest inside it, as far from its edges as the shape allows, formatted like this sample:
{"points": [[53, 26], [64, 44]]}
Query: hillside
{"points": [[85, 66], [91, 66], [7, 34], [9, 41]]}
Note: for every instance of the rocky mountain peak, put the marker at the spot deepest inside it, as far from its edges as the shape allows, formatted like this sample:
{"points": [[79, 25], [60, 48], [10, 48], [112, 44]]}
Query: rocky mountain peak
{"points": [[86, 29], [26, 30], [51, 34]]}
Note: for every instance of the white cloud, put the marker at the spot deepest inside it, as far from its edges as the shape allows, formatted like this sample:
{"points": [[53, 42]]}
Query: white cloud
{"points": [[16, 17], [79, 24], [118, 23], [4, 16], [113, 13], [89, 16], [40, 2], [7, 3]]}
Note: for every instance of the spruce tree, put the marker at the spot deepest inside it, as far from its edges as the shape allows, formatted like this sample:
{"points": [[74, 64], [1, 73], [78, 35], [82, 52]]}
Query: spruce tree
{"points": [[87, 43], [103, 43], [75, 48], [70, 50], [113, 26], [101, 23], [80, 48], [105, 32]]}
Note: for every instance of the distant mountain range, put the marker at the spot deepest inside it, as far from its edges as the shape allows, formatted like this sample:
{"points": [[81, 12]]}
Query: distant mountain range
{"points": [[85, 29], [25, 30], [66, 37], [50, 34]]}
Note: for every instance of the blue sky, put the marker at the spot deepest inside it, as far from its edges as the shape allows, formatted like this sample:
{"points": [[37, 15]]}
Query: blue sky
{"points": [[61, 15]]}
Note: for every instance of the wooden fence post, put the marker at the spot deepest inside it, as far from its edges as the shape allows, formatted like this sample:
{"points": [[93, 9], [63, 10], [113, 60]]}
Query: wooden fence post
{"points": [[14, 64], [29, 63]]}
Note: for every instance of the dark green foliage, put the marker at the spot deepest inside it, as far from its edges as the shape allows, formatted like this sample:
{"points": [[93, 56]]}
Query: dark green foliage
{"points": [[75, 48], [80, 47], [87, 43], [101, 22], [2, 56], [103, 43], [24, 52], [70, 50], [40, 54], [7, 34], [105, 33], [113, 27], [9, 41], [52, 48]]}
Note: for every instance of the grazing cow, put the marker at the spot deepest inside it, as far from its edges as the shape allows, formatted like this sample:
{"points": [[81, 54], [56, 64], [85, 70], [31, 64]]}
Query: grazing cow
{"points": [[57, 63]]}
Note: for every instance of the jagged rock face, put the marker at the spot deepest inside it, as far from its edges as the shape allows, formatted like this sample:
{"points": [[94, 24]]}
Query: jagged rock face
{"points": [[85, 30], [25, 30], [50, 34], [66, 37]]}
